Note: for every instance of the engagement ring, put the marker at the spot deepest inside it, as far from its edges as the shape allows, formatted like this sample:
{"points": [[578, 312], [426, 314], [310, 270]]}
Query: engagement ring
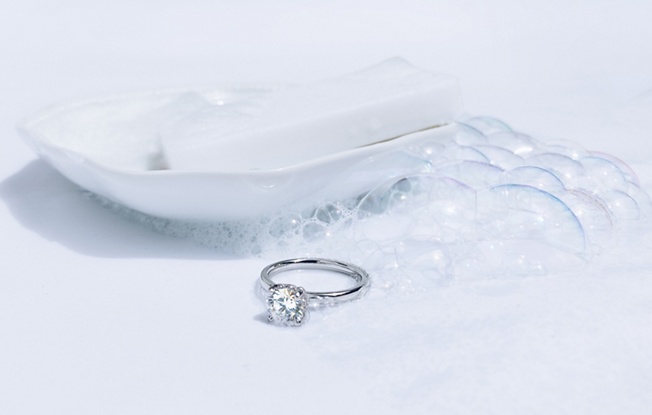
{"points": [[287, 304]]}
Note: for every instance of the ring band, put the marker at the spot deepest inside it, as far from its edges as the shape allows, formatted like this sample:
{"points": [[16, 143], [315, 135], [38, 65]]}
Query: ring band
{"points": [[288, 304]]}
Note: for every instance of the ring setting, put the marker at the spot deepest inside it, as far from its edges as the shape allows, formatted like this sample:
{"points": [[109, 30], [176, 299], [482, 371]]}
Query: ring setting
{"points": [[288, 304]]}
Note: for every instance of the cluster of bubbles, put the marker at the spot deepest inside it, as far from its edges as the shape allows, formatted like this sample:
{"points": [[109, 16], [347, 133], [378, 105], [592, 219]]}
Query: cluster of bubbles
{"points": [[490, 201]]}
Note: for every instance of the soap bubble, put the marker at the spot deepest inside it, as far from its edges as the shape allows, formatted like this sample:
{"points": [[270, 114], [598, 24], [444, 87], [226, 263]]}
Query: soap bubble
{"points": [[314, 231], [526, 231], [568, 170], [415, 222], [621, 205], [458, 153], [534, 176], [487, 125], [566, 148], [524, 212], [604, 174], [627, 171], [285, 226], [477, 175], [469, 136], [501, 157], [594, 215], [329, 213], [520, 144], [642, 199]]}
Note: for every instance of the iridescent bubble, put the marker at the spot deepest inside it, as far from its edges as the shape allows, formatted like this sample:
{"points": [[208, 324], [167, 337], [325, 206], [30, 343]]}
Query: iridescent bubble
{"points": [[520, 144], [534, 176], [642, 199], [501, 157], [621, 205], [468, 135], [527, 213], [629, 174], [450, 204], [429, 202], [472, 173], [431, 150], [385, 198], [566, 148], [604, 174], [525, 231], [569, 171], [459, 153], [594, 215], [487, 125]]}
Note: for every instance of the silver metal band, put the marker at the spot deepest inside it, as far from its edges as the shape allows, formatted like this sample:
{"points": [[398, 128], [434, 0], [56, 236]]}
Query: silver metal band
{"points": [[323, 297]]}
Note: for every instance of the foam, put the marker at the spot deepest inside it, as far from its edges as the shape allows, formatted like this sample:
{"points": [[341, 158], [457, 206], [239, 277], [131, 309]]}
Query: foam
{"points": [[490, 202]]}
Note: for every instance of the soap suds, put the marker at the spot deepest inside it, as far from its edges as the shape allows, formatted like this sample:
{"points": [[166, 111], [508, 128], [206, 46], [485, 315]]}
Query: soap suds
{"points": [[491, 202]]}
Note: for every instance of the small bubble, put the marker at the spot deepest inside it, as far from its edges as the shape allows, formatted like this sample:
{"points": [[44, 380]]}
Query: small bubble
{"points": [[284, 225], [313, 232]]}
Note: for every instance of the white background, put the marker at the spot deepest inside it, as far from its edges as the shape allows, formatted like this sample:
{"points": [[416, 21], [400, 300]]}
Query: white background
{"points": [[101, 316]]}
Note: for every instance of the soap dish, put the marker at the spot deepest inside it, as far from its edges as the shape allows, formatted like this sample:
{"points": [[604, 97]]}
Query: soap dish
{"points": [[110, 146]]}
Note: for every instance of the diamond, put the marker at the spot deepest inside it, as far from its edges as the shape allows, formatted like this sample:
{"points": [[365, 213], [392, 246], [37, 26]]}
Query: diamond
{"points": [[287, 304]]}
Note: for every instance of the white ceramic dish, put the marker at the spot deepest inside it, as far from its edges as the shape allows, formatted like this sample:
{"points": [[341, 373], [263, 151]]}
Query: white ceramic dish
{"points": [[109, 146]]}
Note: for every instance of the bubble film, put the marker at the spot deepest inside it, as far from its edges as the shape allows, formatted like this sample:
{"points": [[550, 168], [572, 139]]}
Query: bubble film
{"points": [[491, 202]]}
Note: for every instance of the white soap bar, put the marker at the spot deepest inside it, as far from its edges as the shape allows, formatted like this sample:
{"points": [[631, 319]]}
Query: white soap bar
{"points": [[302, 123]]}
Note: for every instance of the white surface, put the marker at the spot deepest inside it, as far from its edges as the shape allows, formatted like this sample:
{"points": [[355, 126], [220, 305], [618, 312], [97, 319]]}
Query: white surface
{"points": [[100, 316]]}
